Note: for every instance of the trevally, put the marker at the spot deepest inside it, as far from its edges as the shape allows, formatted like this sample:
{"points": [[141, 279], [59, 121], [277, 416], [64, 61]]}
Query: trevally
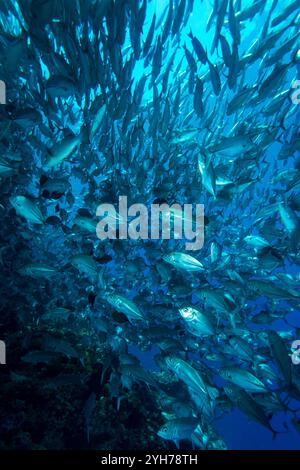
{"points": [[183, 261], [27, 209]]}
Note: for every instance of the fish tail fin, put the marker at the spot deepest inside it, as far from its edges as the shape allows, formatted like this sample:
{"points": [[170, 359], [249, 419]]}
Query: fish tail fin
{"points": [[176, 442]]}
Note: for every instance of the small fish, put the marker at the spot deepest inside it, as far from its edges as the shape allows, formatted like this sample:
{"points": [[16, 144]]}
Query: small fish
{"points": [[178, 429], [244, 379], [85, 264], [232, 146], [37, 270], [197, 323], [183, 261], [86, 223], [256, 241], [40, 357], [291, 223], [27, 209], [198, 48], [126, 306], [64, 149]]}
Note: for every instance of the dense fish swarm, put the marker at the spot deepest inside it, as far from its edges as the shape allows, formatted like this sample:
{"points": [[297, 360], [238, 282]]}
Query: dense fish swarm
{"points": [[137, 343]]}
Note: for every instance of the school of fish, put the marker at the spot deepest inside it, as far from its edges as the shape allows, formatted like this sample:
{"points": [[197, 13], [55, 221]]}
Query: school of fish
{"points": [[108, 98]]}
